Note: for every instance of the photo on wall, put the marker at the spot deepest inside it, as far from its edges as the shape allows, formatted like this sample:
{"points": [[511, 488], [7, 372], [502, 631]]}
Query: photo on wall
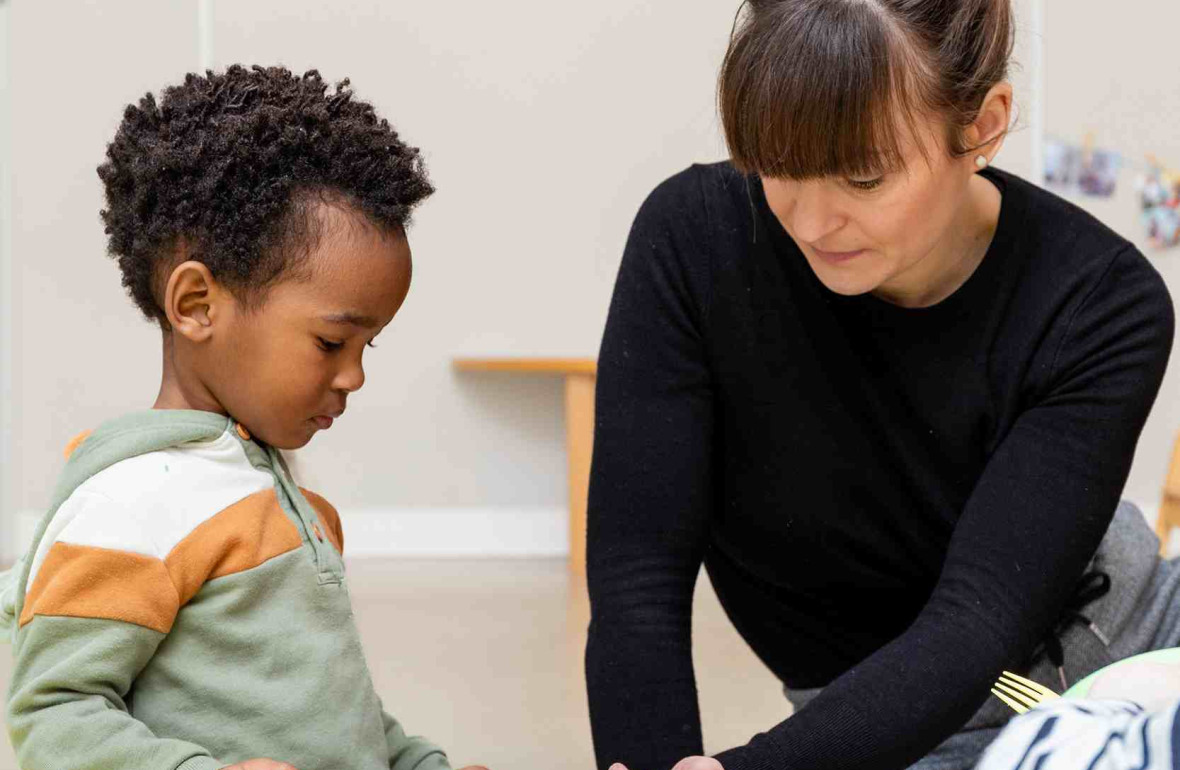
{"points": [[1159, 195], [1081, 170]]}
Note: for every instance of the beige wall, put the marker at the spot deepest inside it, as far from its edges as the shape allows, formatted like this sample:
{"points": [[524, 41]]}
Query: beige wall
{"points": [[79, 353], [1116, 74], [544, 124]]}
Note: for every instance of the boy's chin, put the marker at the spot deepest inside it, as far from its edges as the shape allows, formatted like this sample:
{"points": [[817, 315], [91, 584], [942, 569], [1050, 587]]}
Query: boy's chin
{"points": [[294, 437], [297, 442]]}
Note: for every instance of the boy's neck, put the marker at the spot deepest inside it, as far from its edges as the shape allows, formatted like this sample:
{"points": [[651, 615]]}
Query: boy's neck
{"points": [[176, 391]]}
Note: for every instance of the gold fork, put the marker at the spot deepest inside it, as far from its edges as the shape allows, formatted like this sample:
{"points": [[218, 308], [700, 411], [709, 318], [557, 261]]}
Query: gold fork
{"points": [[1020, 693]]}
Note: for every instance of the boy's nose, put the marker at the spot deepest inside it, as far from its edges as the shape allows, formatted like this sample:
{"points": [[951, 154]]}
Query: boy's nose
{"points": [[350, 379]]}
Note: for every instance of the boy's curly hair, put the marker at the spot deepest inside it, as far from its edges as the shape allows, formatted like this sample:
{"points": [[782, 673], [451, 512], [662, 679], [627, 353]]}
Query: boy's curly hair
{"points": [[230, 165]]}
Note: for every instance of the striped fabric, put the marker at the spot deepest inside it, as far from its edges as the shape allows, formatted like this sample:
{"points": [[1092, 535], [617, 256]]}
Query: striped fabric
{"points": [[1088, 735]]}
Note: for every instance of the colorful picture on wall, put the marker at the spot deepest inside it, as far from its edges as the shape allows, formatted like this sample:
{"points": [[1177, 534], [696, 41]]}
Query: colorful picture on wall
{"points": [[1062, 164], [1099, 172], [1159, 194], [1084, 170]]}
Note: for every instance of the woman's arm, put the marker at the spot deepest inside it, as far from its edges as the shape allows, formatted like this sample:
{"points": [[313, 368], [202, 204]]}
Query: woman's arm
{"points": [[650, 490], [1032, 523]]}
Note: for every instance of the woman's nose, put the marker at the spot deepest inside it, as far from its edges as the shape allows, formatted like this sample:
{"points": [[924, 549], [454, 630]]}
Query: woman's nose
{"points": [[813, 216]]}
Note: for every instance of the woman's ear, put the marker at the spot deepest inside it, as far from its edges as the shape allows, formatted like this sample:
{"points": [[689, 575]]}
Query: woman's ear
{"points": [[191, 301], [986, 134]]}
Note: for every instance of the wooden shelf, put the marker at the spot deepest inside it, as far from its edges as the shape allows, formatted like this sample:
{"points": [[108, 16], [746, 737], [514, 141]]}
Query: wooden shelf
{"points": [[579, 375], [528, 365]]}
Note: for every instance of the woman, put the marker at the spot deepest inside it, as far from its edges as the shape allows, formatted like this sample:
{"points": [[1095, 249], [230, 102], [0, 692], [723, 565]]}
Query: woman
{"points": [[887, 395]]}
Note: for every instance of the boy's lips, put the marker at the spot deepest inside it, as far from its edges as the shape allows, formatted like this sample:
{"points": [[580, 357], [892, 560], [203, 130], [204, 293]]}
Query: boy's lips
{"points": [[324, 421]]}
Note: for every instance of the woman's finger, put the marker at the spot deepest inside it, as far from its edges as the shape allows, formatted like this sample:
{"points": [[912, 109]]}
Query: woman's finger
{"points": [[698, 763]]}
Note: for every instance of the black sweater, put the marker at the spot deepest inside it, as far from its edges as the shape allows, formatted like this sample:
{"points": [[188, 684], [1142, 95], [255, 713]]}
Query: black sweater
{"points": [[892, 503]]}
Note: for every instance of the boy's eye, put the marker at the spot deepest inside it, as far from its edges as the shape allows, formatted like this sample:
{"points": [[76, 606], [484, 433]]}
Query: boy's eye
{"points": [[333, 346], [866, 184]]}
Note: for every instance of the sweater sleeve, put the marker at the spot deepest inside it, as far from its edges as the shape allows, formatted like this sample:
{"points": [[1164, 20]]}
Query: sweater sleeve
{"points": [[410, 752], [93, 619], [1030, 526], [650, 492]]}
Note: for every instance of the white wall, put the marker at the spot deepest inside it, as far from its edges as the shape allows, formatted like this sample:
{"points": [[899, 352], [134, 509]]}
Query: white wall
{"points": [[79, 353], [7, 491], [544, 125], [1115, 74]]}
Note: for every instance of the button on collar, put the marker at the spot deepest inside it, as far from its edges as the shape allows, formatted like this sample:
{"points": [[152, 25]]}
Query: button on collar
{"points": [[245, 434]]}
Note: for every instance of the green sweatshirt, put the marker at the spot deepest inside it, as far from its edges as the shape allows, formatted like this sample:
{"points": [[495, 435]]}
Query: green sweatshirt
{"points": [[184, 607]]}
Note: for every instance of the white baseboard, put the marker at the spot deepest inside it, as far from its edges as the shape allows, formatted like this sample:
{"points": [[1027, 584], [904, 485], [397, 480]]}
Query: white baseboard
{"points": [[489, 532], [456, 532]]}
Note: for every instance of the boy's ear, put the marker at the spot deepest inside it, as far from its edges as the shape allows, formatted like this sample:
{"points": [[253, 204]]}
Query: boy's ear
{"points": [[192, 299]]}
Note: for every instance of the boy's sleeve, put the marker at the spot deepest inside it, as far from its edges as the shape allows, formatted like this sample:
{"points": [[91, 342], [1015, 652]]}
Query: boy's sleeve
{"points": [[409, 752], [91, 621]]}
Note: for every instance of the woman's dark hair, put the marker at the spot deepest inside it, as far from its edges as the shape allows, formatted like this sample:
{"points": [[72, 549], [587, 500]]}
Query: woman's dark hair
{"points": [[232, 166], [814, 88]]}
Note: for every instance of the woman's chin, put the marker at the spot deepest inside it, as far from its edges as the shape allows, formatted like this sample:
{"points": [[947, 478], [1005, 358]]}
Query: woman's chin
{"points": [[849, 279], [847, 284]]}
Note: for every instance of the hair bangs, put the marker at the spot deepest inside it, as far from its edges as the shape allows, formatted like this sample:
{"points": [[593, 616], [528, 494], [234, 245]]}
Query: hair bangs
{"points": [[824, 92]]}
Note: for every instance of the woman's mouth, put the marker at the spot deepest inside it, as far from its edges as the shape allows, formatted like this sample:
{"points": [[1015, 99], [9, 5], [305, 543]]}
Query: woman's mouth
{"points": [[837, 257]]}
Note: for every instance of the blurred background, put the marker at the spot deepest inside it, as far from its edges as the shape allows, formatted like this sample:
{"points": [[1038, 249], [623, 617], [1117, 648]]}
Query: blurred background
{"points": [[544, 125]]}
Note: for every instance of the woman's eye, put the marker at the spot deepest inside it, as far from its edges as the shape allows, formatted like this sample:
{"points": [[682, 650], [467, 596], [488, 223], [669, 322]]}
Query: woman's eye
{"points": [[866, 184], [329, 346]]}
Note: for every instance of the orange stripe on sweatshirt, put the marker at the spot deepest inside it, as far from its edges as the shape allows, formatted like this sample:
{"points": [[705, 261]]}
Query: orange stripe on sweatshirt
{"points": [[329, 517], [243, 536], [75, 442], [83, 581], [90, 582]]}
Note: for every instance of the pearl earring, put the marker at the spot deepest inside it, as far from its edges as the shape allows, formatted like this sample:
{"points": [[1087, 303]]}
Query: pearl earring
{"points": [[981, 162]]}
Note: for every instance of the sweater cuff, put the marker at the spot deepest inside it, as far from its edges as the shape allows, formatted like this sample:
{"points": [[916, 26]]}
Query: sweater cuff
{"points": [[741, 758], [435, 760], [201, 763]]}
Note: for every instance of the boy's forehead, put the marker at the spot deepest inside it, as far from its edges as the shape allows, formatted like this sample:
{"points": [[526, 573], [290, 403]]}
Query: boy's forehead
{"points": [[359, 290]]}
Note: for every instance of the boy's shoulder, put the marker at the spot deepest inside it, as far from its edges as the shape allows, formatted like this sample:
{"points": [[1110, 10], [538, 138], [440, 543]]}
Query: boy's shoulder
{"points": [[153, 500], [163, 502]]}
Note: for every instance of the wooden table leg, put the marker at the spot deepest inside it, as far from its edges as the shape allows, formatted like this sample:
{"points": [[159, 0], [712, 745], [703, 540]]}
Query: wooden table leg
{"points": [[579, 434], [1170, 503]]}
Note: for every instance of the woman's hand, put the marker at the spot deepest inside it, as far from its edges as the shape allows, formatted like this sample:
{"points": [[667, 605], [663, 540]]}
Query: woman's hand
{"points": [[688, 763]]}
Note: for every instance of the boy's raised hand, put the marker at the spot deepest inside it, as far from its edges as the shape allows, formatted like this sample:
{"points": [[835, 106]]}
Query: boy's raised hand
{"points": [[260, 764]]}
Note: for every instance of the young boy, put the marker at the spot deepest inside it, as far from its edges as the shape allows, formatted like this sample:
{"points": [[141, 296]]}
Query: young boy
{"points": [[184, 603]]}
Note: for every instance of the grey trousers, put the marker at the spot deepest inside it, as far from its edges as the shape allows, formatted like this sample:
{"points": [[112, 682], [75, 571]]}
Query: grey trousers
{"points": [[1140, 613]]}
